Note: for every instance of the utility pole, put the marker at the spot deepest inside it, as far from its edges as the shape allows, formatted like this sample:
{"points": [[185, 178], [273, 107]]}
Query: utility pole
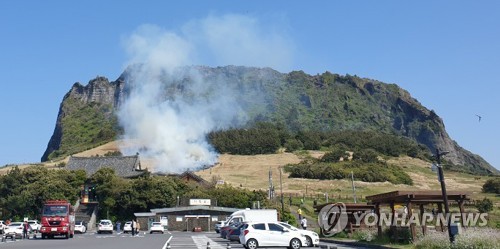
{"points": [[281, 189], [443, 191], [353, 188]]}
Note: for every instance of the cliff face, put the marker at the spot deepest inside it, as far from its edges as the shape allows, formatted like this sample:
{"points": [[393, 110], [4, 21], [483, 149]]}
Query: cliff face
{"points": [[303, 102], [99, 98]]}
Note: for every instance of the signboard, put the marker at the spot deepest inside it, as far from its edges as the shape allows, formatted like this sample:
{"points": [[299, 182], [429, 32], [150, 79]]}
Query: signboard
{"points": [[199, 202]]}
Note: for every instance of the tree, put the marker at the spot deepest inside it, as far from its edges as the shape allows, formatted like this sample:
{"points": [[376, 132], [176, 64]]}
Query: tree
{"points": [[484, 206], [492, 186]]}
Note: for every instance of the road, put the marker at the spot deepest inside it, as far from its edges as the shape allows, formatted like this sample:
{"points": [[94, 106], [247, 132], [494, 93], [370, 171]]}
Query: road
{"points": [[176, 240]]}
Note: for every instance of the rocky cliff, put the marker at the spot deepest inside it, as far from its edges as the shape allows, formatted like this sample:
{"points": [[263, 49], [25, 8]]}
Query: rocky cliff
{"points": [[303, 102]]}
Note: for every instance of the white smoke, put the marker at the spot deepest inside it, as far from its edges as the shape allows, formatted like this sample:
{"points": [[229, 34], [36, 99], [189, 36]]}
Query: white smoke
{"points": [[170, 129]]}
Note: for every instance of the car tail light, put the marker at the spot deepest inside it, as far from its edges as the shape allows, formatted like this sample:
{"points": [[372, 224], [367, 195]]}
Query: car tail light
{"points": [[245, 232]]}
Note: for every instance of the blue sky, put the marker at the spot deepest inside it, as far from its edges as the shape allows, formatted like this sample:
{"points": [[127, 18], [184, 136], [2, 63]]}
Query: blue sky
{"points": [[445, 53]]}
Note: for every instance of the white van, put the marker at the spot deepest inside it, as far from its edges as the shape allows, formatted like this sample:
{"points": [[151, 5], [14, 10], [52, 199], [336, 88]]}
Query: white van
{"points": [[251, 215]]}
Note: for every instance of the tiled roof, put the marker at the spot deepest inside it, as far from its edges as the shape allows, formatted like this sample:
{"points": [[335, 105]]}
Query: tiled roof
{"points": [[124, 166]]}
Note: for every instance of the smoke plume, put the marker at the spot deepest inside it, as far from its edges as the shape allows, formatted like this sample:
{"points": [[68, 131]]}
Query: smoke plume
{"points": [[170, 106]]}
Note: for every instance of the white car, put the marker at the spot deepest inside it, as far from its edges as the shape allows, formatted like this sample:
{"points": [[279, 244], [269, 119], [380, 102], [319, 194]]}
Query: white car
{"points": [[311, 237], [156, 227], [105, 226], [80, 227], [14, 229], [34, 225], [270, 234], [127, 228]]}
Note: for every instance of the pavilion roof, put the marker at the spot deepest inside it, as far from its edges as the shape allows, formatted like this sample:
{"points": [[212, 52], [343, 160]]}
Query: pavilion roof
{"points": [[421, 197]]}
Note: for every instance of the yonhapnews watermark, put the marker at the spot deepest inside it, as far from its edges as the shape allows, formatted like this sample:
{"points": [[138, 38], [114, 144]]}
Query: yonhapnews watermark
{"points": [[333, 219]]}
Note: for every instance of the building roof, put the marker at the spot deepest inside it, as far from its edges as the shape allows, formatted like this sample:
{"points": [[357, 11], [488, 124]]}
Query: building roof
{"points": [[124, 166], [421, 197], [189, 208]]}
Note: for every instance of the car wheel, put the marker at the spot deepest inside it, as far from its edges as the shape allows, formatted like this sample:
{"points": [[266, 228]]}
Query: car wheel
{"points": [[252, 244], [295, 243], [309, 242], [98, 232]]}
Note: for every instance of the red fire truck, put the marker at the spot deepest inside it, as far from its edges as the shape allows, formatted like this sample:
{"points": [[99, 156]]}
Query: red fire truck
{"points": [[58, 218]]}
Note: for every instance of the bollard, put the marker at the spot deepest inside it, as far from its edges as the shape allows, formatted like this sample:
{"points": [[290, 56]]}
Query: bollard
{"points": [[208, 245], [13, 238], [228, 246], [3, 238], [168, 246]]}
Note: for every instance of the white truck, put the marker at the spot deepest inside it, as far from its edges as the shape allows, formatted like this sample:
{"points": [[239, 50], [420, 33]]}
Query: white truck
{"points": [[251, 215]]}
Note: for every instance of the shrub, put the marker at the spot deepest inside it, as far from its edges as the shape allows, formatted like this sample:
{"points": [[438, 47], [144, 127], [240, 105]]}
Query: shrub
{"points": [[470, 238], [484, 206], [492, 186], [293, 144]]}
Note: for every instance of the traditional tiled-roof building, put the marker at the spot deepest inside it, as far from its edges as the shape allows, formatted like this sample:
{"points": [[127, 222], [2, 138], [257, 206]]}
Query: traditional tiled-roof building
{"points": [[124, 166]]}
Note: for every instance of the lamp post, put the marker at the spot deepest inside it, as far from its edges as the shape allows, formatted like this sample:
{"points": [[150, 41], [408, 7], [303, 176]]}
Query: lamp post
{"points": [[443, 191]]}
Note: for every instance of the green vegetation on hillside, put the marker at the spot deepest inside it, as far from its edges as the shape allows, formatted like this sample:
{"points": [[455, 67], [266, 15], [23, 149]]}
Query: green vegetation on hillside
{"points": [[86, 127], [267, 138], [367, 172]]}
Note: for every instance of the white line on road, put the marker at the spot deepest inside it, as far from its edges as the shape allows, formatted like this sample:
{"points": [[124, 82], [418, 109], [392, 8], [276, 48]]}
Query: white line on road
{"points": [[168, 241]]}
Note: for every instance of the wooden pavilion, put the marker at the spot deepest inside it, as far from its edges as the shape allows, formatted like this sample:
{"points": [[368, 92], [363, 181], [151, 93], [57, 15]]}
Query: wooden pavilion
{"points": [[412, 199], [351, 209]]}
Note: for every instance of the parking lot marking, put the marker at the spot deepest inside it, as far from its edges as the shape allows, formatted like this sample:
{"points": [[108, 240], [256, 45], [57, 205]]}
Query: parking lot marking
{"points": [[201, 242], [168, 241]]}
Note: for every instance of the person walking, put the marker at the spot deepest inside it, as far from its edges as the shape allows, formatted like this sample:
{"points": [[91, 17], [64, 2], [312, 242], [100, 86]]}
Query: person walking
{"points": [[303, 223], [118, 226], [26, 227], [133, 226], [138, 225]]}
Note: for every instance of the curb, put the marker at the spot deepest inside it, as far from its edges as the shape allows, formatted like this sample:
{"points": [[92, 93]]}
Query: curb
{"points": [[355, 243]]}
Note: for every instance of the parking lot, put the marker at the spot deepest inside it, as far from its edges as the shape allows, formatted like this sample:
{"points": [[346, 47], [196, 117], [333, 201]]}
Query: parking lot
{"points": [[177, 240]]}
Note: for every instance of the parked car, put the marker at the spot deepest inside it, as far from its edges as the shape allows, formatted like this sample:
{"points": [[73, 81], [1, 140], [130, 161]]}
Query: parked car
{"points": [[14, 229], [234, 233], [217, 226], [80, 227], [127, 228], [2, 226], [34, 225], [311, 237], [263, 234], [105, 226], [156, 227], [225, 229]]}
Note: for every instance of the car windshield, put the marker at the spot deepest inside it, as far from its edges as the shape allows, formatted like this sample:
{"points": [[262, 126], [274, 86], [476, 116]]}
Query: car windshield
{"points": [[55, 210], [15, 224], [156, 224], [79, 223], [105, 223]]}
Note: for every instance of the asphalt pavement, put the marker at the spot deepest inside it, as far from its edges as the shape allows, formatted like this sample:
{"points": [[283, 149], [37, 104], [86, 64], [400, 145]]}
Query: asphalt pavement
{"points": [[173, 240]]}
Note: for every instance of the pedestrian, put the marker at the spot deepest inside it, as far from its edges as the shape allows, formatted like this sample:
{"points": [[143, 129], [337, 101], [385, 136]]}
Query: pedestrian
{"points": [[138, 225], [300, 213], [25, 230], [118, 226], [303, 223], [133, 227]]}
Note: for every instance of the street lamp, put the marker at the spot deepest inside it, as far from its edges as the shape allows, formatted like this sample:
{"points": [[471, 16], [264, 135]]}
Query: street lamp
{"points": [[439, 169]]}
